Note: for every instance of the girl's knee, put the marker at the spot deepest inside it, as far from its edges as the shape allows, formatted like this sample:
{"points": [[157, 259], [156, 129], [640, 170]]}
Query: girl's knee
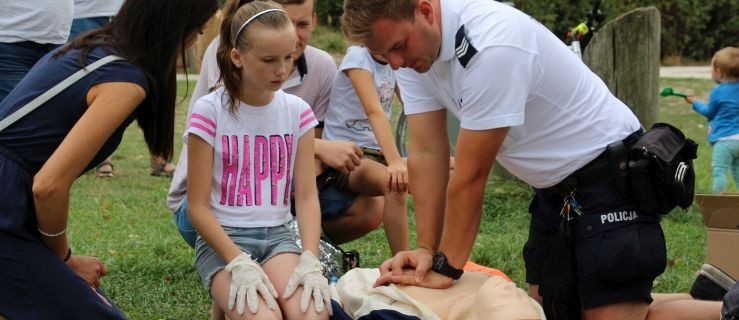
{"points": [[310, 314], [291, 308], [263, 313]]}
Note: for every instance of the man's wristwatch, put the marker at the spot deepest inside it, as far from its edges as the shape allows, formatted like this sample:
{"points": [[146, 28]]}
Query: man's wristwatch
{"points": [[441, 266]]}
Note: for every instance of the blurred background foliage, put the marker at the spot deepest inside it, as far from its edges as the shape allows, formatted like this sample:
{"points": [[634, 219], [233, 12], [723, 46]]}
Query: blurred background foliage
{"points": [[692, 30]]}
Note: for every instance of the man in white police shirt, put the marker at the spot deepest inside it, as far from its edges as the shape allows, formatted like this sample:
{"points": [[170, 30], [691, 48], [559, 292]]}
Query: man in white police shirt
{"points": [[524, 99]]}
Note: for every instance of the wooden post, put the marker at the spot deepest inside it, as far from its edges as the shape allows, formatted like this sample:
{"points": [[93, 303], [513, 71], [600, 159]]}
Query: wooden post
{"points": [[625, 54]]}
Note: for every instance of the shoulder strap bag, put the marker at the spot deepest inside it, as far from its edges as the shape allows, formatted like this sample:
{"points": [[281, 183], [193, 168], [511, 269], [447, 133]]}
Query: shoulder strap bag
{"points": [[38, 101]]}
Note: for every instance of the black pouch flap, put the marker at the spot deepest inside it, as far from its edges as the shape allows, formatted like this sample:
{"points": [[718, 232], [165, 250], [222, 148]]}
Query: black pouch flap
{"points": [[661, 169], [730, 309], [662, 141]]}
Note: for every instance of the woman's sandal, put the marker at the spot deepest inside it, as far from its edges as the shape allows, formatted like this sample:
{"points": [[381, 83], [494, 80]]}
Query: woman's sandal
{"points": [[165, 169], [105, 170]]}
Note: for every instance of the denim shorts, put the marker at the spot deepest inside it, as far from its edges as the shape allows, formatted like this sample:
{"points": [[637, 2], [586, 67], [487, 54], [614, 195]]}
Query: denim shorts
{"points": [[339, 180], [184, 226], [83, 25], [334, 202], [262, 243], [16, 59], [334, 194]]}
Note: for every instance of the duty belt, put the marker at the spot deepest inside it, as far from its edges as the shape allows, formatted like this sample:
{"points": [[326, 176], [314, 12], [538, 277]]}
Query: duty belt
{"points": [[596, 170]]}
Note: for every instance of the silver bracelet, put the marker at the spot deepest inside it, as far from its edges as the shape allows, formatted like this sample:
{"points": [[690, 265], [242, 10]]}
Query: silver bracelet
{"points": [[51, 235]]}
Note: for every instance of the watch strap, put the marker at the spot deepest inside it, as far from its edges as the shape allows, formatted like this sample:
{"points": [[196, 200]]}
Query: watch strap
{"points": [[441, 266]]}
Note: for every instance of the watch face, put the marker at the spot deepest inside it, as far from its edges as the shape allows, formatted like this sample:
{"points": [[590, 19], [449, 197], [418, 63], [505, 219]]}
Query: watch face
{"points": [[441, 266], [439, 262]]}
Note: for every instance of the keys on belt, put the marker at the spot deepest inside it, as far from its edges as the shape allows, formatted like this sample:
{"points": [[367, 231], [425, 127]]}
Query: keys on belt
{"points": [[570, 210]]}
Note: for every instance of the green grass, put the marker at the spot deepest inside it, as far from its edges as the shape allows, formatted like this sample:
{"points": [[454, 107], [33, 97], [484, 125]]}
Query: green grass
{"points": [[329, 39], [125, 222]]}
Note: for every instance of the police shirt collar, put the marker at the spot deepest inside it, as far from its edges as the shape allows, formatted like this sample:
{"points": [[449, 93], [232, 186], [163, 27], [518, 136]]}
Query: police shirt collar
{"points": [[296, 77], [449, 26], [302, 66]]}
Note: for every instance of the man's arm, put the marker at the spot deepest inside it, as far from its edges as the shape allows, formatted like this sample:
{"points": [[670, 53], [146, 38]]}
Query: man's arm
{"points": [[474, 156], [428, 171]]}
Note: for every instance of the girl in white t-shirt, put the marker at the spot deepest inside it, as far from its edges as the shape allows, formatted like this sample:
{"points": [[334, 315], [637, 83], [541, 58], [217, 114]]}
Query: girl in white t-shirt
{"points": [[359, 111], [247, 142]]}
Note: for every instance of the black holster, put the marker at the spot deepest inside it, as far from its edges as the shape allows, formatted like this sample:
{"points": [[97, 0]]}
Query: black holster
{"points": [[618, 162], [558, 287]]}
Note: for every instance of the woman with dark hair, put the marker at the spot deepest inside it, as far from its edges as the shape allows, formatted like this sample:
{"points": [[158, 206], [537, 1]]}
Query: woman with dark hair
{"points": [[43, 152]]}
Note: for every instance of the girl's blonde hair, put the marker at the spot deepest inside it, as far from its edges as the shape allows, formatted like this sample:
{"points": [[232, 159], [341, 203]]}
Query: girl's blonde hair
{"points": [[234, 17]]}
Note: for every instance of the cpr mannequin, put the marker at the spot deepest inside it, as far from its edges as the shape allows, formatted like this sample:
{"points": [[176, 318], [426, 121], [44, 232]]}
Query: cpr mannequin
{"points": [[476, 296]]}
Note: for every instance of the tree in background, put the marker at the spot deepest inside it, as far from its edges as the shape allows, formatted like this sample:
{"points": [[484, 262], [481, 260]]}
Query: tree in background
{"points": [[691, 29], [329, 12]]}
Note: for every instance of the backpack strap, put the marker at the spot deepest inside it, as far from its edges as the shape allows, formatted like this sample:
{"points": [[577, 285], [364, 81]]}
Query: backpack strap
{"points": [[59, 87]]}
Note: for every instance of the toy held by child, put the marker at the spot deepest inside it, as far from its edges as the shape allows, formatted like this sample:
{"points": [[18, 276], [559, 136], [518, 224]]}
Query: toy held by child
{"points": [[668, 91]]}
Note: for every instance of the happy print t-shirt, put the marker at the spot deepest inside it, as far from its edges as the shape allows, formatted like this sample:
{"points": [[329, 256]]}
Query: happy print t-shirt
{"points": [[254, 156]]}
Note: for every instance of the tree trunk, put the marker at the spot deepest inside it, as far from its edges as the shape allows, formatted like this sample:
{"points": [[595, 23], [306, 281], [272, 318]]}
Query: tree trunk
{"points": [[625, 54]]}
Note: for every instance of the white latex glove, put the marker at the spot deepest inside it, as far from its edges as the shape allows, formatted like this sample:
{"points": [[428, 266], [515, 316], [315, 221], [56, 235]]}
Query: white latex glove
{"points": [[248, 279], [309, 273], [334, 294]]}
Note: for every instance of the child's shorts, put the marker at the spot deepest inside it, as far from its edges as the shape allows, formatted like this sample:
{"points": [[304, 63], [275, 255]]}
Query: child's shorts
{"points": [[334, 202], [261, 243], [334, 194], [333, 177]]}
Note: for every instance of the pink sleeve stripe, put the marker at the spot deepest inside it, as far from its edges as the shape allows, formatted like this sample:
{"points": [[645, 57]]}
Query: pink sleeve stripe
{"points": [[307, 121], [204, 119], [306, 113], [203, 128]]}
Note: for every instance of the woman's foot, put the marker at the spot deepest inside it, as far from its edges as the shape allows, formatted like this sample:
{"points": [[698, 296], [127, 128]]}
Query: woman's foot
{"points": [[161, 168], [105, 169]]}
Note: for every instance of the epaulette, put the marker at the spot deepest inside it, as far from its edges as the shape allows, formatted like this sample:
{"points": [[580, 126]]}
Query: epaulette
{"points": [[463, 48]]}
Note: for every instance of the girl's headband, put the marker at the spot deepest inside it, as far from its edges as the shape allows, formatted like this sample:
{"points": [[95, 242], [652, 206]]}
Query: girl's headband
{"points": [[236, 37]]}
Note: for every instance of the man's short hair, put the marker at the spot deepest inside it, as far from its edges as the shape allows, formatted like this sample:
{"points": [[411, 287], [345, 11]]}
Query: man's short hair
{"points": [[727, 60], [360, 15], [296, 2]]}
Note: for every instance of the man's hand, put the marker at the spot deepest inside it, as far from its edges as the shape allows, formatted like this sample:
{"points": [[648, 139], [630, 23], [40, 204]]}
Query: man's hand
{"points": [[431, 280], [89, 268], [418, 261], [343, 156]]}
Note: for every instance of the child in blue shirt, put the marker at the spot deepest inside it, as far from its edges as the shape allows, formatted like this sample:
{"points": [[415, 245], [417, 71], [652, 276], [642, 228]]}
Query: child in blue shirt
{"points": [[722, 111]]}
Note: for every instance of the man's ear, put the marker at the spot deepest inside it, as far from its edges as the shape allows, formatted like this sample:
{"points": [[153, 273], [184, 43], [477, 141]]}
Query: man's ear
{"points": [[235, 57], [426, 10]]}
